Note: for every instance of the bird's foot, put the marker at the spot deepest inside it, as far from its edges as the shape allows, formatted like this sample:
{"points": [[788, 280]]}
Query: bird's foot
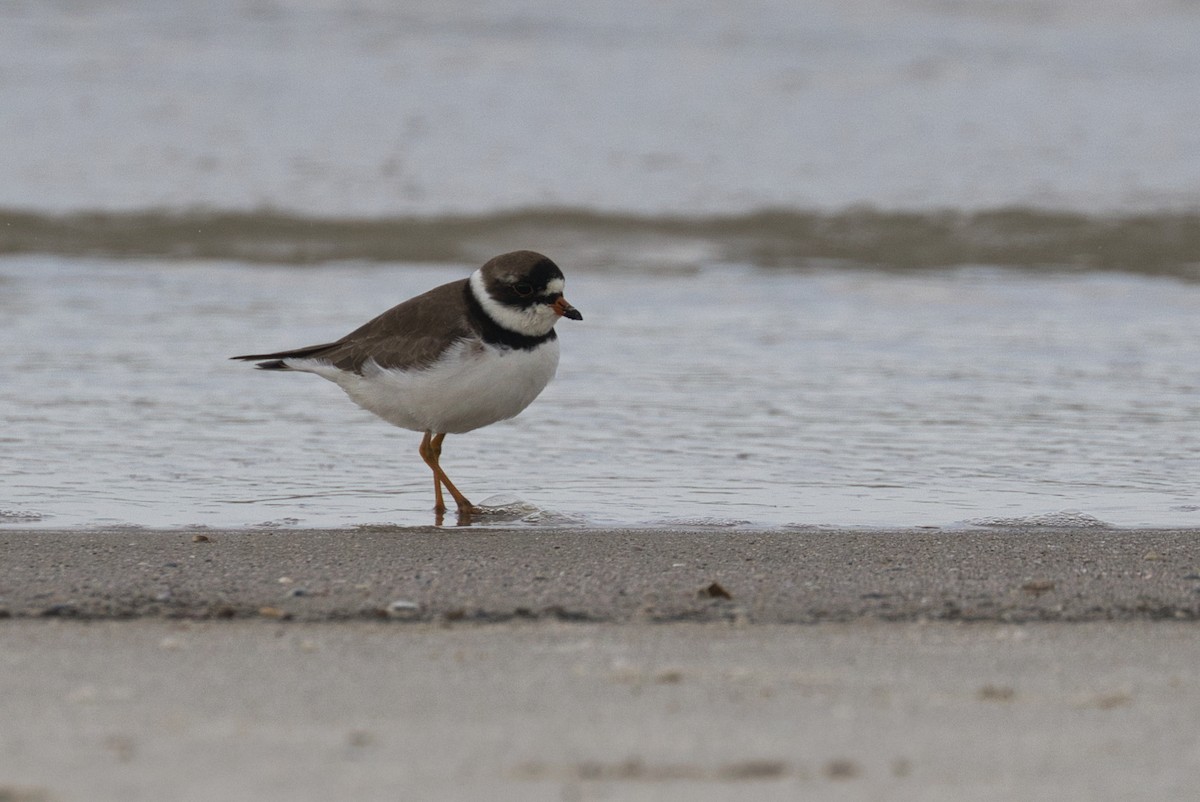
{"points": [[465, 514]]}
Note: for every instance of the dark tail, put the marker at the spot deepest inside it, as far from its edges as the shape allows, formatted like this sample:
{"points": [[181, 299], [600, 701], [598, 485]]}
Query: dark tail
{"points": [[274, 364], [276, 361], [270, 364]]}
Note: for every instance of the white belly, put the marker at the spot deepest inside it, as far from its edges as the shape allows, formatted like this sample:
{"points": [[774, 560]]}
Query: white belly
{"points": [[472, 386]]}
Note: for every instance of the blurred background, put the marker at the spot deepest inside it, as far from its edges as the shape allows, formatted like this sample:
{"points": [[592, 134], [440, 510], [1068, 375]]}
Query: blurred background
{"points": [[370, 108], [841, 263]]}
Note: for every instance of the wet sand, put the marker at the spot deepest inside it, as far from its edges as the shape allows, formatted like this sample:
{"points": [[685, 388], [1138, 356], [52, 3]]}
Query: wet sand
{"points": [[609, 576], [589, 664]]}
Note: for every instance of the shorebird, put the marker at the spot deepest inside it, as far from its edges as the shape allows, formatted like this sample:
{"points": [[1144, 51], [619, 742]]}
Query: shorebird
{"points": [[461, 356]]}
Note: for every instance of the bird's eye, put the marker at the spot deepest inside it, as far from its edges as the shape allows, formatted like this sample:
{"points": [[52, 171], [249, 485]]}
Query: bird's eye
{"points": [[523, 288]]}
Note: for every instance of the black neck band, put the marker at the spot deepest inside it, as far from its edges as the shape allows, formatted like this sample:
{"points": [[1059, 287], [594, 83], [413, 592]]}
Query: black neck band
{"points": [[495, 334]]}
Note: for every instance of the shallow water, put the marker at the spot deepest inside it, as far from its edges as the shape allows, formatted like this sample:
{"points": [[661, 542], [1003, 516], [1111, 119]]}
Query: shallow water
{"points": [[707, 394]]}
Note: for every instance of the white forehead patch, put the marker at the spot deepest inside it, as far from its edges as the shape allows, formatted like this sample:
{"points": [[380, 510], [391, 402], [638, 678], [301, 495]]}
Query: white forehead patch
{"points": [[554, 287]]}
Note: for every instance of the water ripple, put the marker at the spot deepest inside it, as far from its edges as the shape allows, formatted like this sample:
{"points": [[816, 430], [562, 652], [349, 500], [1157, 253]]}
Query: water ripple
{"points": [[728, 396]]}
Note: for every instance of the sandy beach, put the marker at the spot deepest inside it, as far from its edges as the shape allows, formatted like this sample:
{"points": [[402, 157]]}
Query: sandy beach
{"points": [[604, 576], [599, 664]]}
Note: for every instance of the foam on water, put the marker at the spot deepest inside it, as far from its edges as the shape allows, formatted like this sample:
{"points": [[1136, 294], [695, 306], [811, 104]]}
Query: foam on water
{"points": [[1063, 519]]}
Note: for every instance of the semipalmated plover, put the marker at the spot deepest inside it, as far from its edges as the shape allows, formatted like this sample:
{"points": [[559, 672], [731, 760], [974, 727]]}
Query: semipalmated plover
{"points": [[461, 356]]}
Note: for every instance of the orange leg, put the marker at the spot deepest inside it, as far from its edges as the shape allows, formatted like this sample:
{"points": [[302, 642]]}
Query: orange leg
{"points": [[426, 453], [431, 452]]}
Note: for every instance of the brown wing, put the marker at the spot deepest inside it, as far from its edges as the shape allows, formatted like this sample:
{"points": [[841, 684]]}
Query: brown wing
{"points": [[409, 335]]}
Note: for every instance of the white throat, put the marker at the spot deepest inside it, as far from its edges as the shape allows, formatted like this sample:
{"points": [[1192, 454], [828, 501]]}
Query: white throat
{"points": [[532, 321]]}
